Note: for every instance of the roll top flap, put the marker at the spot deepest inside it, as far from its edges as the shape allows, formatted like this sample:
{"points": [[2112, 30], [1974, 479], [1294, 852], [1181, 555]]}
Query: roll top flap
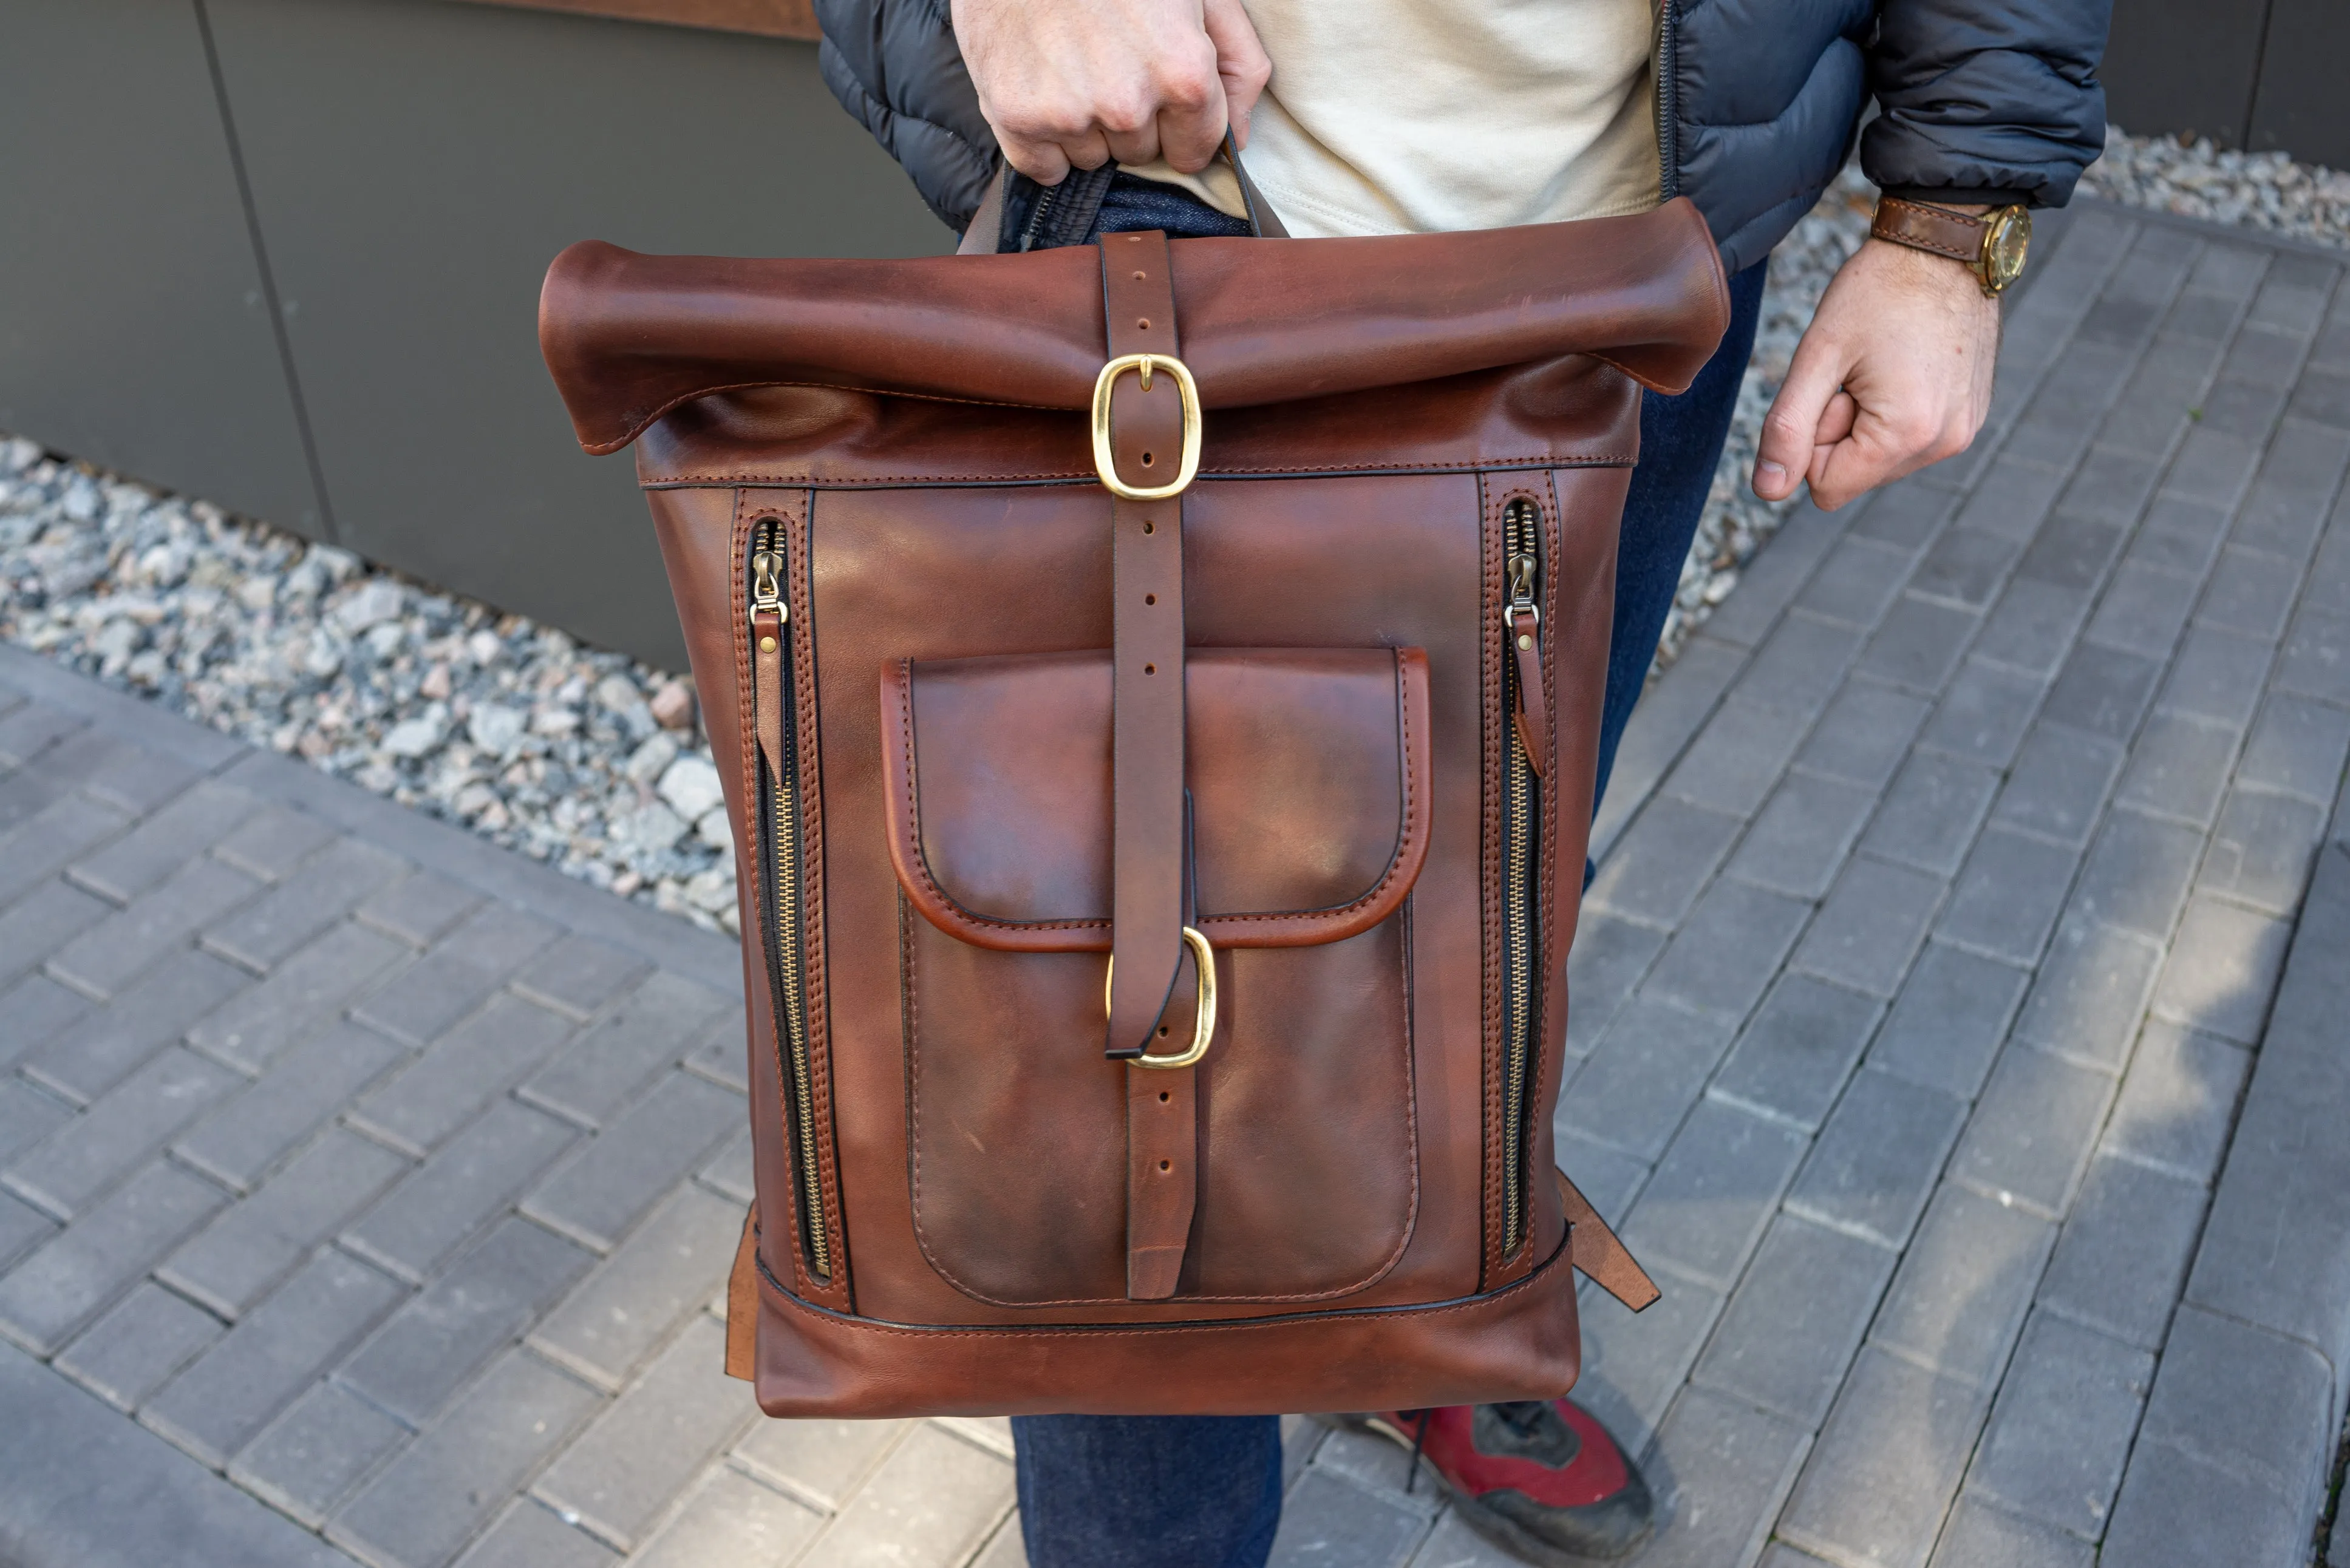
{"points": [[1309, 772]]}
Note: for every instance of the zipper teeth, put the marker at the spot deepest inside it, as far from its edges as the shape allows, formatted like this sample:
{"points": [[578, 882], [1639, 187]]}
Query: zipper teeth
{"points": [[1668, 177], [791, 998], [1518, 934]]}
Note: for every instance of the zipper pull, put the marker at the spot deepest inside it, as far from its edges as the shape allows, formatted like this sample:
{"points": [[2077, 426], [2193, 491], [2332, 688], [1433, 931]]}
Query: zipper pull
{"points": [[768, 613], [1522, 621]]}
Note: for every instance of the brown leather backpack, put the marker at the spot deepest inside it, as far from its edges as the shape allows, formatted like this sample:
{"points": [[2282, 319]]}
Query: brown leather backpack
{"points": [[1158, 687]]}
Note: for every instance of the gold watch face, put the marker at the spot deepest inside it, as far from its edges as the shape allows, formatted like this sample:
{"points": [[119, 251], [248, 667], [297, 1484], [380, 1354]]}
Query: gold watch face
{"points": [[2004, 245]]}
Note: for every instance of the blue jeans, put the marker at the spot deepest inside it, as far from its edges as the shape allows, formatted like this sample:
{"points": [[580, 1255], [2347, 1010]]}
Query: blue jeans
{"points": [[1204, 1491]]}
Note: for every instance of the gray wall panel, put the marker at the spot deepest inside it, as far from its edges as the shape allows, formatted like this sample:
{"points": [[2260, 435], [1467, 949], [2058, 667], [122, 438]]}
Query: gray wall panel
{"points": [[2184, 64], [417, 163], [2303, 104], [133, 326]]}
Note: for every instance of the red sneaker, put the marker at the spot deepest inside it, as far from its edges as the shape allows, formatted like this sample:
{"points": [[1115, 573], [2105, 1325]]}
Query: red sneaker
{"points": [[1541, 1479]]}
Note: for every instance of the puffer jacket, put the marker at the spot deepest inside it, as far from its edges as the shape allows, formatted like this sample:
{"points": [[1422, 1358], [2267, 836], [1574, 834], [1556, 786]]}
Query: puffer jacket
{"points": [[1979, 101]]}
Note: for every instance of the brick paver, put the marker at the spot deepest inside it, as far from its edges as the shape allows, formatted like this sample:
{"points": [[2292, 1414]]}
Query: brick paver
{"points": [[350, 1167]]}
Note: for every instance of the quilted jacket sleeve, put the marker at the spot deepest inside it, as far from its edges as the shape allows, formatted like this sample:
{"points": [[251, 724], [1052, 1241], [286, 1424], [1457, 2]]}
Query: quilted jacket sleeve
{"points": [[1994, 100], [894, 65]]}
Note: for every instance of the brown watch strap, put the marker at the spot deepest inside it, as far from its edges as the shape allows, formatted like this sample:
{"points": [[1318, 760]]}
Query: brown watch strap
{"points": [[1927, 228]]}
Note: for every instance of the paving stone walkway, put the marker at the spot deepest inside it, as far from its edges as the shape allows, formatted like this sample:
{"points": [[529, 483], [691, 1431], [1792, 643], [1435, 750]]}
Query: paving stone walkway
{"points": [[366, 1192]]}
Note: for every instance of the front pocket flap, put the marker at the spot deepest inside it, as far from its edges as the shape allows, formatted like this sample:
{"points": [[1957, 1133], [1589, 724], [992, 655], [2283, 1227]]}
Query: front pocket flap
{"points": [[1309, 779]]}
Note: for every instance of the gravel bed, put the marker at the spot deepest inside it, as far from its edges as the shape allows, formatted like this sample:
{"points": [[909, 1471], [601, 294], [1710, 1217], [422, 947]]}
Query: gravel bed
{"points": [[591, 762]]}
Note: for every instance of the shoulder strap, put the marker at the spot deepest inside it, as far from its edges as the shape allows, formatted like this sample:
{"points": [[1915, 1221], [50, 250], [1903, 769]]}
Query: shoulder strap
{"points": [[984, 237]]}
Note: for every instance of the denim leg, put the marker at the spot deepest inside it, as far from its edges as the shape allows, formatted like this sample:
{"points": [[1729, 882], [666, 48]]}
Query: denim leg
{"points": [[1149, 1491], [1681, 442]]}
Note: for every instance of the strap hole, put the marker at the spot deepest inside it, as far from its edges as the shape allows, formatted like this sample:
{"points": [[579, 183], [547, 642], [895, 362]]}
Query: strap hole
{"points": [[1152, 669], [1162, 1031], [1150, 527], [1166, 1164], [1140, 275], [1148, 459], [1150, 598], [1164, 1097]]}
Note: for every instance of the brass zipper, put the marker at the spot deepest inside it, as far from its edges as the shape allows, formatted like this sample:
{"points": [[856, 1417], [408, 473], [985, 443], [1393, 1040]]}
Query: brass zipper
{"points": [[1520, 846], [780, 851]]}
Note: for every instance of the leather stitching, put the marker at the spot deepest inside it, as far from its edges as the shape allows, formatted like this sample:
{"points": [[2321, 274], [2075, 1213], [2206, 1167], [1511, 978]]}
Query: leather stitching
{"points": [[1086, 476]]}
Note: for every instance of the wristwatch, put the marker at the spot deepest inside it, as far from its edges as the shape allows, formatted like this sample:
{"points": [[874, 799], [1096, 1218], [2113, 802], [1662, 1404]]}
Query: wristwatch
{"points": [[1992, 246]]}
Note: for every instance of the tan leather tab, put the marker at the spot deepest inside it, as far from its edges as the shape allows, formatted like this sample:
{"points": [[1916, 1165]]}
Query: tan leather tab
{"points": [[742, 1302], [1534, 698], [767, 686], [1597, 1252], [1147, 650]]}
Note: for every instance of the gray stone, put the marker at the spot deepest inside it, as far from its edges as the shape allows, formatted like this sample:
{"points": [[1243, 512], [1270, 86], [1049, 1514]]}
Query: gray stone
{"points": [[2317, 662], [1809, 534], [2244, 408], [528, 1536], [2014, 497], [27, 1116], [485, 1301], [22, 1228], [2251, 592], [1329, 1521], [452, 978], [447, 1085], [1876, 1158], [245, 1252], [69, 1170], [1793, 1058], [1632, 1091], [2223, 970], [2090, 993], [1735, 759], [1863, 735], [41, 845], [731, 1517], [2287, 505], [85, 1266], [2111, 484], [1655, 870], [2059, 782], [2178, 768], [2177, 1101], [1919, 644], [164, 842], [578, 975], [84, 1060], [1906, 514], [1983, 715], [289, 915], [1608, 960], [2181, 536], [2138, 874], [1962, 1288], [80, 1485], [1788, 1335], [419, 908], [605, 1066], [2263, 849], [1949, 1021], [422, 1507], [239, 1143], [307, 1461], [1885, 1465], [1801, 834], [2060, 1431], [720, 1057], [2218, 675], [274, 841], [2007, 896], [32, 728], [473, 1178], [1869, 928], [2123, 1254], [2297, 748], [645, 1447], [1713, 1193], [2144, 609], [252, 1029], [1659, 728], [2213, 466], [1981, 1536], [2102, 691], [103, 958], [1632, 1369], [936, 1498], [258, 1368], [2248, 1411], [624, 1171], [128, 1354], [1727, 950], [44, 919], [2071, 552], [1965, 567], [2032, 628], [1856, 582], [1609, 1178], [1798, 666], [38, 1008], [729, 1172], [669, 1267], [1733, 1465], [822, 1461], [1929, 816], [2030, 1139]]}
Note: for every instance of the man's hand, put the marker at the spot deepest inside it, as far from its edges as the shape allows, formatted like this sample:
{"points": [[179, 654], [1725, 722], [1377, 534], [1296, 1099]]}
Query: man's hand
{"points": [[1081, 83], [1893, 374]]}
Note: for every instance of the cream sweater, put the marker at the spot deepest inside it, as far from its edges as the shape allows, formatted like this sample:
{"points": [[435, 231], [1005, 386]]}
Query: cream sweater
{"points": [[1404, 116]]}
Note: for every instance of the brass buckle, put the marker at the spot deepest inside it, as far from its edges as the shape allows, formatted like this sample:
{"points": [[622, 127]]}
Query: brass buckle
{"points": [[1106, 465], [1203, 1015]]}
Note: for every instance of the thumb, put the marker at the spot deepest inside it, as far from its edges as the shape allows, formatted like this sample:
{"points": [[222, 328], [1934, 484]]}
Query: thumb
{"points": [[1791, 427]]}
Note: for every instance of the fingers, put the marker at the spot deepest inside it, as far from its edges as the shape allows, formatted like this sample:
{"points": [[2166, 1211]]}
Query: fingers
{"points": [[1241, 62], [1792, 429]]}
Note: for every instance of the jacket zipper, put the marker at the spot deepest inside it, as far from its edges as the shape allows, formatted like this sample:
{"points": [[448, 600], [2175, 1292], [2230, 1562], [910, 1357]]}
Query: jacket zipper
{"points": [[1525, 755], [1665, 55], [780, 858]]}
